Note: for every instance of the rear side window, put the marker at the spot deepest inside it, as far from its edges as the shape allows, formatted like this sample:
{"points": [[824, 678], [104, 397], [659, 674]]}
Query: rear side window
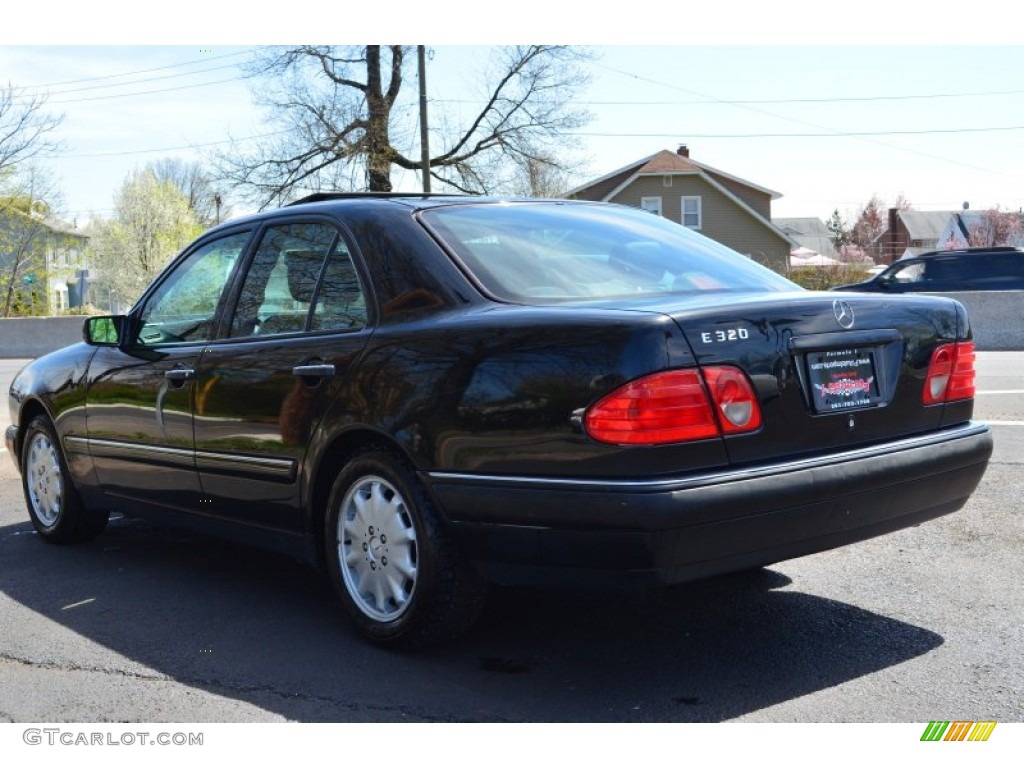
{"points": [[300, 278], [953, 269], [563, 252], [1007, 265]]}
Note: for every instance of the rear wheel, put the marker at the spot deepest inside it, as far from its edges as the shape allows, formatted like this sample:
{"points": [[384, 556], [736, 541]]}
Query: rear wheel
{"points": [[54, 506], [394, 567]]}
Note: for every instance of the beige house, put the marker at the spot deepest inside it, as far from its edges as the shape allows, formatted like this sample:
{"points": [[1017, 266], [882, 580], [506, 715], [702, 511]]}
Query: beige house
{"points": [[41, 261], [721, 206]]}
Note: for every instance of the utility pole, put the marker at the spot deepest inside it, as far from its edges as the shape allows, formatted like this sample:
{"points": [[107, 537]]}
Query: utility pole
{"points": [[421, 55]]}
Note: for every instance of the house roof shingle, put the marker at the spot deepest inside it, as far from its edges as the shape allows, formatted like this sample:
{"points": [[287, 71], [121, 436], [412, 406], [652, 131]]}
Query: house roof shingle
{"points": [[925, 225], [809, 232], [662, 162]]}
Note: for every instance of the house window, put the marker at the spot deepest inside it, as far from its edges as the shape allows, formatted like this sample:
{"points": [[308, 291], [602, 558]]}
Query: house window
{"points": [[652, 204], [666, 180], [691, 212]]}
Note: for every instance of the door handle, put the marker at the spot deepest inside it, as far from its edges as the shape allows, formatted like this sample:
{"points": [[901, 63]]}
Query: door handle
{"points": [[321, 371], [180, 375]]}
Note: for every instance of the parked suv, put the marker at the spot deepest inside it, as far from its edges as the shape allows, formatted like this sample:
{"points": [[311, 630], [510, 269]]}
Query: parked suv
{"points": [[968, 269]]}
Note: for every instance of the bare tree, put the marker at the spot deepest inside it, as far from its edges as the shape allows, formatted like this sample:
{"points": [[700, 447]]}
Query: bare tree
{"points": [[541, 177], [902, 203], [196, 185], [24, 128], [869, 224], [339, 113]]}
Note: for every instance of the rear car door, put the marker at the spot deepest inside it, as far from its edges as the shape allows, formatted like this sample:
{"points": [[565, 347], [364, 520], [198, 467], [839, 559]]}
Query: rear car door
{"points": [[299, 321]]}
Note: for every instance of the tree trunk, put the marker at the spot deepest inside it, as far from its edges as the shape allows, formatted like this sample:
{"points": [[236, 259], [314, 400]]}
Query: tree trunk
{"points": [[378, 119], [10, 290]]}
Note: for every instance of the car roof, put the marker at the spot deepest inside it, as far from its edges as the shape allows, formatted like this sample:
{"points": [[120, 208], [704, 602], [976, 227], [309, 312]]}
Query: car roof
{"points": [[969, 251], [320, 197], [327, 201]]}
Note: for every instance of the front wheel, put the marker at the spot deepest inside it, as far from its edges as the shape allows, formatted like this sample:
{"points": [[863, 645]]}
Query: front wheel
{"points": [[394, 567], [53, 503]]}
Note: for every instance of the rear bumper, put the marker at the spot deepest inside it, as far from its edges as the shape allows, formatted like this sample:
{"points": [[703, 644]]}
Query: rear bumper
{"points": [[537, 530]]}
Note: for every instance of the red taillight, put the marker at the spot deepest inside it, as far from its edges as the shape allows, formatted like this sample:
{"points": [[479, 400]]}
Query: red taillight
{"points": [[737, 405], [950, 374], [674, 407]]}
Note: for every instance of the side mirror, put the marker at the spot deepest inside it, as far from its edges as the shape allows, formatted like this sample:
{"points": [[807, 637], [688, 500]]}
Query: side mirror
{"points": [[104, 331]]}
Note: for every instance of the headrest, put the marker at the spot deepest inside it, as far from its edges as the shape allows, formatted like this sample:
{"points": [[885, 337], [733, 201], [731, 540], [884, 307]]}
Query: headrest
{"points": [[303, 271]]}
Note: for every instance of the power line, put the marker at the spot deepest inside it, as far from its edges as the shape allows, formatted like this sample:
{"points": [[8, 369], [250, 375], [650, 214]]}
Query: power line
{"points": [[144, 71], [828, 135], [801, 122], [28, 97], [166, 149], [741, 102], [147, 93]]}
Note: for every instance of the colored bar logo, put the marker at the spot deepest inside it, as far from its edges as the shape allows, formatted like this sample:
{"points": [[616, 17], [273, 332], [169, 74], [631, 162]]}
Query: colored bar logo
{"points": [[939, 730]]}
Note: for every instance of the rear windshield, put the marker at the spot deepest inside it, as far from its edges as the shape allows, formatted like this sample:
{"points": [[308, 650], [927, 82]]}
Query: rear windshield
{"points": [[566, 252]]}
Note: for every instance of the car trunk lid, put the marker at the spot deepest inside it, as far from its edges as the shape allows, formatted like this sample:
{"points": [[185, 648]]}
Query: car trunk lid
{"points": [[829, 370]]}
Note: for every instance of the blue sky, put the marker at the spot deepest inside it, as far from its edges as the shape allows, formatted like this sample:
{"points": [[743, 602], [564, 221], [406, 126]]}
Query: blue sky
{"points": [[827, 126]]}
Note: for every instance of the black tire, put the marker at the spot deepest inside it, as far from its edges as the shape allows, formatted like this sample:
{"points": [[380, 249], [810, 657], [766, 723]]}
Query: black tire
{"points": [[53, 502], [395, 569]]}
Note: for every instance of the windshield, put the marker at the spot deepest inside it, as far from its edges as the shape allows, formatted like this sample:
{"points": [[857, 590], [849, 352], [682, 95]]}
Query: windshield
{"points": [[565, 252]]}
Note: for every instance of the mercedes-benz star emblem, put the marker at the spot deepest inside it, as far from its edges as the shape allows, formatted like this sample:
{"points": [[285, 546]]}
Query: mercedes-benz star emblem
{"points": [[843, 313]]}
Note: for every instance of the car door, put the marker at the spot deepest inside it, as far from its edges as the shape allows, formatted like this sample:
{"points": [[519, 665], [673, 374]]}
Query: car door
{"points": [[299, 321], [944, 274], [140, 394], [904, 277]]}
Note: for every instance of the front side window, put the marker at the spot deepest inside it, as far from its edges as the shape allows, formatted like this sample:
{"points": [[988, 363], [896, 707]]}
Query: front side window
{"points": [[184, 307], [691, 208], [909, 273]]}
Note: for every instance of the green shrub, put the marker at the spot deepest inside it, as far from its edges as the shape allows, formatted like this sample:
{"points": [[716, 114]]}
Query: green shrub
{"points": [[823, 278]]}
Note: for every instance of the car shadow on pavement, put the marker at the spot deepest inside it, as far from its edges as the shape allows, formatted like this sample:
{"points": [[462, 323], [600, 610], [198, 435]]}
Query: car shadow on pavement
{"points": [[261, 629]]}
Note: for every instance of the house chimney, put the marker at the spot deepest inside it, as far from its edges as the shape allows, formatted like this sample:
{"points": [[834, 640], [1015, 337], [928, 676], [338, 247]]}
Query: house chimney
{"points": [[683, 151], [892, 236]]}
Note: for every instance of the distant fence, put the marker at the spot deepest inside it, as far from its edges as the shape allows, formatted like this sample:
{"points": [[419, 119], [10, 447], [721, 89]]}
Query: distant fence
{"points": [[996, 316], [34, 336]]}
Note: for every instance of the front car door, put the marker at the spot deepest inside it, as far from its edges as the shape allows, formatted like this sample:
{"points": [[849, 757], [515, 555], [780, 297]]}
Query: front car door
{"points": [[141, 394], [901, 278]]}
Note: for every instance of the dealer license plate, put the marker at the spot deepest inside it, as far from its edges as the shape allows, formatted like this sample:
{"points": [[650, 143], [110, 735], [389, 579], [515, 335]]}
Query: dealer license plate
{"points": [[841, 379]]}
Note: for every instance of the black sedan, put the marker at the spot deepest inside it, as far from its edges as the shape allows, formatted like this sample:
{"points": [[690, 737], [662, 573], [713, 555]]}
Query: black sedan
{"points": [[422, 395]]}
